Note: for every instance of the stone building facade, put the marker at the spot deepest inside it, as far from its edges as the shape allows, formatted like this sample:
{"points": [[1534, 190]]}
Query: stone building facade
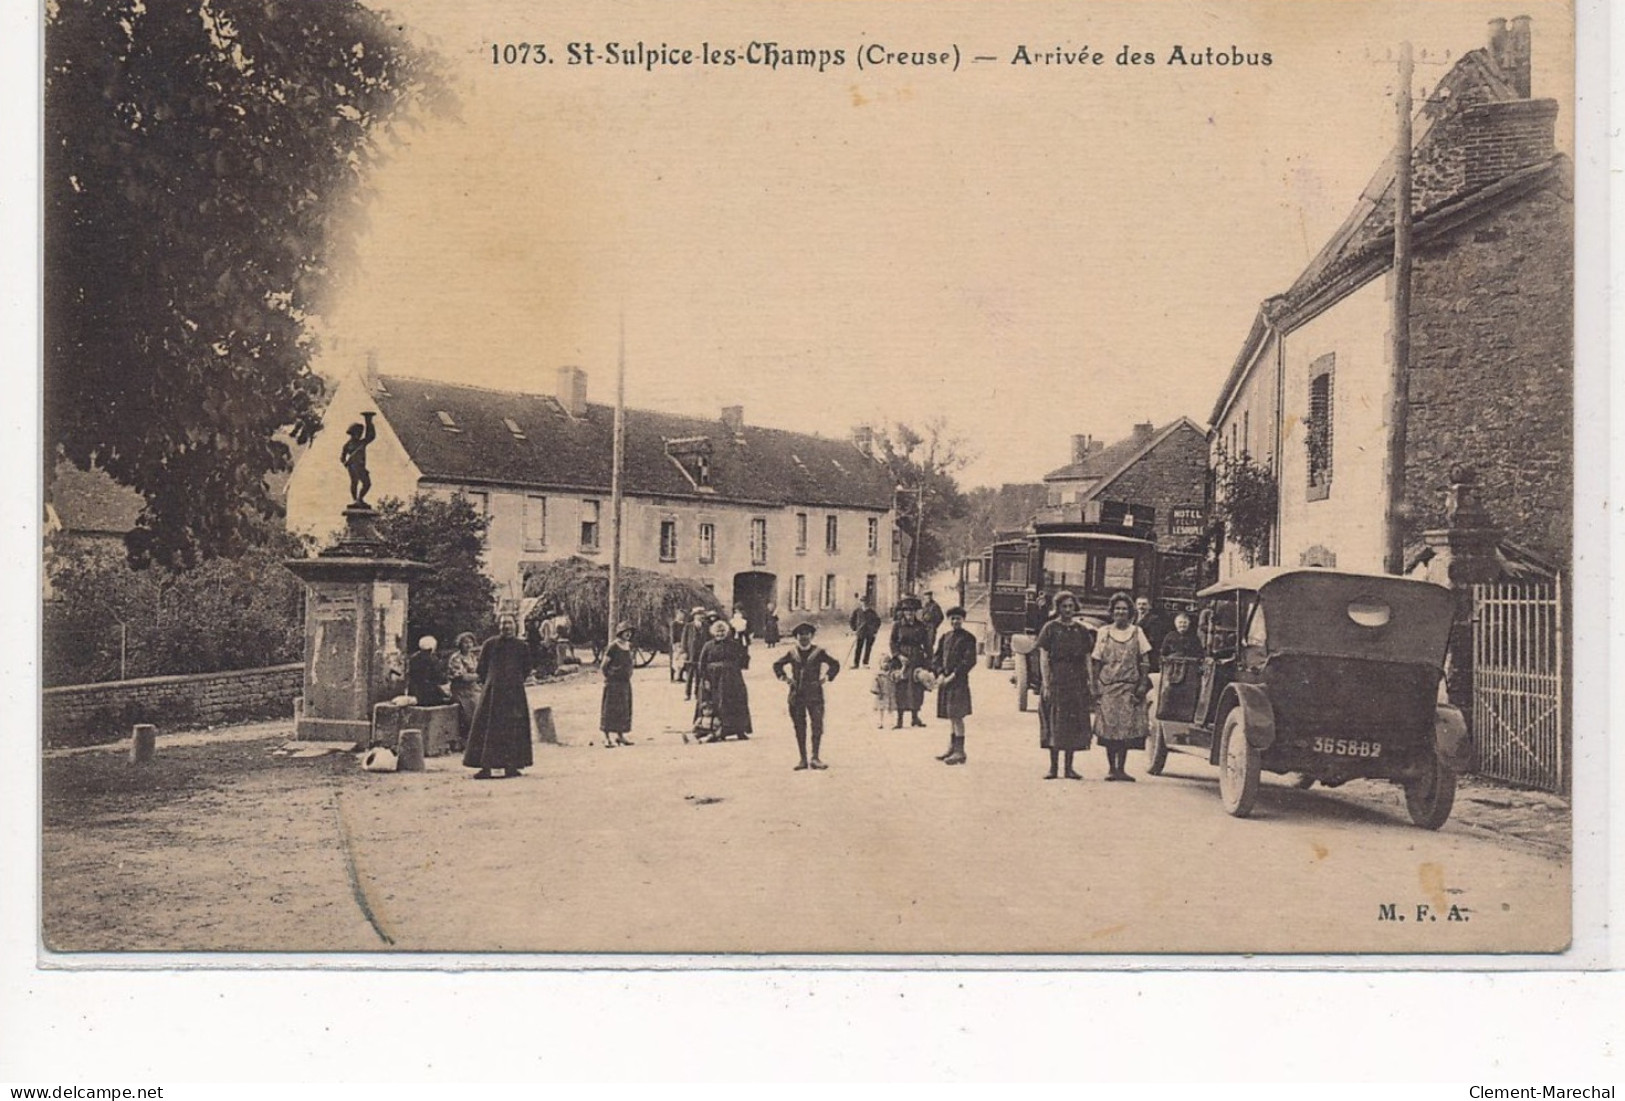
{"points": [[760, 516], [1490, 379]]}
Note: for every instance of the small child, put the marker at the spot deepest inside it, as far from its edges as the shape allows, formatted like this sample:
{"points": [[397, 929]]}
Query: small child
{"points": [[885, 689]]}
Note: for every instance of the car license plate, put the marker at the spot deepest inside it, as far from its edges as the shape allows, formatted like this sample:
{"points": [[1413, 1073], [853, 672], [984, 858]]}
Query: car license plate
{"points": [[1346, 747]]}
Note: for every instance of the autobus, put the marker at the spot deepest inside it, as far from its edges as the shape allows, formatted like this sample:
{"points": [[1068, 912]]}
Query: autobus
{"points": [[1091, 551]]}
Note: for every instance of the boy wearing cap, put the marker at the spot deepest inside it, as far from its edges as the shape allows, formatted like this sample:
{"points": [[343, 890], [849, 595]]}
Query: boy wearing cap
{"points": [[803, 667]]}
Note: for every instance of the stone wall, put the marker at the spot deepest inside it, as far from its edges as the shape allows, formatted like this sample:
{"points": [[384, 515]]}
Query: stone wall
{"points": [[1172, 473], [1492, 371], [90, 714]]}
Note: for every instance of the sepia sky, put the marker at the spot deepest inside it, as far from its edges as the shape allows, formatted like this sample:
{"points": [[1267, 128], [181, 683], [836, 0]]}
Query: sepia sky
{"points": [[1026, 251]]}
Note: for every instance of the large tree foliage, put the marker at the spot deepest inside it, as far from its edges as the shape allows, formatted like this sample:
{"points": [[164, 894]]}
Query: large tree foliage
{"points": [[204, 172], [924, 463], [449, 534]]}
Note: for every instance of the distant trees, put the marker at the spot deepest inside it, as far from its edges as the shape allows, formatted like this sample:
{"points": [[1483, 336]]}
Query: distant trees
{"points": [[924, 464], [204, 173]]}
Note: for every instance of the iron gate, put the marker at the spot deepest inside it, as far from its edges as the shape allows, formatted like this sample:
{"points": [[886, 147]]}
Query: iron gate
{"points": [[1519, 716]]}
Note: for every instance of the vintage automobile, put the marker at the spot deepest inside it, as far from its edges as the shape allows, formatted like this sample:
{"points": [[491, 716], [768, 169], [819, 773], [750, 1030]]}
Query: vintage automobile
{"points": [[1327, 674]]}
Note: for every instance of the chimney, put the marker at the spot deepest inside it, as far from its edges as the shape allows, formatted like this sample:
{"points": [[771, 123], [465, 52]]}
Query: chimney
{"points": [[863, 438], [371, 375], [1081, 446], [1144, 431], [572, 391], [734, 417], [1516, 66], [1498, 43]]}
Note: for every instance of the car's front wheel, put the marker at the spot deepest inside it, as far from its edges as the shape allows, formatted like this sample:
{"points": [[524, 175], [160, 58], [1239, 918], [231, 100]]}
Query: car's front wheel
{"points": [[1430, 796], [1240, 766]]}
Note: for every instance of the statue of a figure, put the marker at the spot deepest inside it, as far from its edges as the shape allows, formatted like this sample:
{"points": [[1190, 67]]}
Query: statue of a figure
{"points": [[354, 458]]}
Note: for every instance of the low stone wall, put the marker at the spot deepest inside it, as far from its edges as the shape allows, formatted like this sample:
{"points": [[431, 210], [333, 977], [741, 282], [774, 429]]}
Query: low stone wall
{"points": [[91, 714]]}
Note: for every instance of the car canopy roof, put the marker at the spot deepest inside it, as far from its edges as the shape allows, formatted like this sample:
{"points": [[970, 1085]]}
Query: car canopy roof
{"points": [[1309, 610]]}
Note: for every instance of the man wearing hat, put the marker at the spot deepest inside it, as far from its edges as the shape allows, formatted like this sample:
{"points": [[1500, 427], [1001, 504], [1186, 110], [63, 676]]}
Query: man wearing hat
{"points": [[803, 668], [694, 639]]}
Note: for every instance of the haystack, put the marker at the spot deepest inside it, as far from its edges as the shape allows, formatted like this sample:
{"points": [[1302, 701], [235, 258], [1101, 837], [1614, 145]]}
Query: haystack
{"points": [[649, 600]]}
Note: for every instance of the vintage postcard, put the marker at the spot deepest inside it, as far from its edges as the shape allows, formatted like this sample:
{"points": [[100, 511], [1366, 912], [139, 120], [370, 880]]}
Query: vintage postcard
{"points": [[1033, 483]]}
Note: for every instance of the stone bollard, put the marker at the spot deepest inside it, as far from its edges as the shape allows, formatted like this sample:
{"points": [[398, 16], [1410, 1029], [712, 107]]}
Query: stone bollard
{"points": [[144, 744], [542, 723], [410, 757]]}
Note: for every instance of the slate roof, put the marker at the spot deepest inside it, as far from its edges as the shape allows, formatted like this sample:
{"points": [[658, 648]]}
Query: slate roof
{"points": [[90, 502], [1441, 202], [762, 466], [1108, 463]]}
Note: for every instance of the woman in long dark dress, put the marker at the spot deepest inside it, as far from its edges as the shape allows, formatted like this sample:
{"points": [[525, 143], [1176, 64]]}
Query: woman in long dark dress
{"points": [[910, 643], [1065, 644], [722, 664], [615, 710], [499, 736], [955, 658]]}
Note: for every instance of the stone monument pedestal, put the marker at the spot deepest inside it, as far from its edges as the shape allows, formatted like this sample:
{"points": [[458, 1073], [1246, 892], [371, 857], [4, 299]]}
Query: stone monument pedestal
{"points": [[355, 631]]}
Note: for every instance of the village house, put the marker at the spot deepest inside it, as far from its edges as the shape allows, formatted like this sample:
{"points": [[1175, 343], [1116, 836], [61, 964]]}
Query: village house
{"points": [[757, 515], [1164, 469], [1491, 349]]}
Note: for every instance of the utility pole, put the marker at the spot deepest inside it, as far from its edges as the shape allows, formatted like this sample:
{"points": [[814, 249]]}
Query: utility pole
{"points": [[1400, 352], [615, 487]]}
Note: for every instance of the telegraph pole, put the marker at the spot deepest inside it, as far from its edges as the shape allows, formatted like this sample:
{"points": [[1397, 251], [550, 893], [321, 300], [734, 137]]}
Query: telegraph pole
{"points": [[1400, 352], [615, 487]]}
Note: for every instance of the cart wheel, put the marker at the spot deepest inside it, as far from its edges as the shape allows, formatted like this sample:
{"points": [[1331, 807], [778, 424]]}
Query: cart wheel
{"points": [[1156, 749], [1430, 796], [644, 658], [1239, 766]]}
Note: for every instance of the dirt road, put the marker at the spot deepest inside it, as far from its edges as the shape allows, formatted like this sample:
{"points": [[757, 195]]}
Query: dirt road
{"points": [[672, 847]]}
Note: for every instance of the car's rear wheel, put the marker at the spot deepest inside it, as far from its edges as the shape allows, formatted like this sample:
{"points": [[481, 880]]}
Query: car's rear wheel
{"points": [[1430, 796], [1156, 749], [1239, 766]]}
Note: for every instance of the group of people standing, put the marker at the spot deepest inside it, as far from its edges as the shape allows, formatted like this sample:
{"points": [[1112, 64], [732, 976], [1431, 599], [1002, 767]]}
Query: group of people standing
{"points": [[487, 683], [1113, 671]]}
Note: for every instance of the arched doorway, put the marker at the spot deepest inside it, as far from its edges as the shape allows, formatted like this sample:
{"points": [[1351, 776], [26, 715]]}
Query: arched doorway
{"points": [[753, 592]]}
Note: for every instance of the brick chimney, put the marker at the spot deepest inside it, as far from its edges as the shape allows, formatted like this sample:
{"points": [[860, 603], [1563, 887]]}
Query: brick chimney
{"points": [[1082, 447], [734, 417], [572, 391], [1144, 431], [863, 438]]}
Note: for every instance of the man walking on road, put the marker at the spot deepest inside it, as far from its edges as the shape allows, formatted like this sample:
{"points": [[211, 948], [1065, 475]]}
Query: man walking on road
{"points": [[803, 667], [931, 616], [865, 624]]}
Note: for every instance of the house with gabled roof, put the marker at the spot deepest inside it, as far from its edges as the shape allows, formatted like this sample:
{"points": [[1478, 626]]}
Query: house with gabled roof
{"points": [[1163, 468], [1490, 379], [759, 515]]}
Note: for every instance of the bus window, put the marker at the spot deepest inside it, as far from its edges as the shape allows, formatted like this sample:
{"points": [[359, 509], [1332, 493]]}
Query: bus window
{"points": [[1064, 569], [1010, 570], [1116, 574]]}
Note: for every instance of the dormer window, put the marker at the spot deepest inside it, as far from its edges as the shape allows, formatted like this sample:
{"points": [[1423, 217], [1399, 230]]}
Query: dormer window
{"points": [[513, 428], [446, 421], [692, 454]]}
